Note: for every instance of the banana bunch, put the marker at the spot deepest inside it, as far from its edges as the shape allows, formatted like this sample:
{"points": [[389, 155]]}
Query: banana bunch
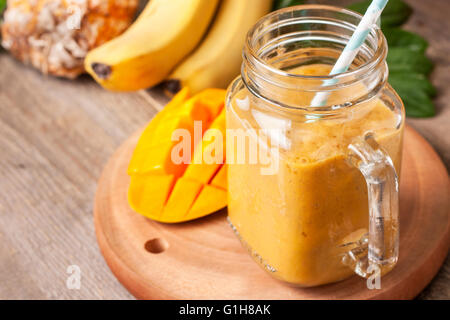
{"points": [[193, 43]]}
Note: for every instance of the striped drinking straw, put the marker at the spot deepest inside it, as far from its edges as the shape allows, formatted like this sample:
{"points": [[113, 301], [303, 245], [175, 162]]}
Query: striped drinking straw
{"points": [[351, 49]]}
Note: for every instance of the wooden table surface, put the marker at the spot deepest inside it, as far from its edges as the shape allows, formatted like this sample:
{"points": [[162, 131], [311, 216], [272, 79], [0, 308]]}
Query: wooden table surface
{"points": [[55, 137]]}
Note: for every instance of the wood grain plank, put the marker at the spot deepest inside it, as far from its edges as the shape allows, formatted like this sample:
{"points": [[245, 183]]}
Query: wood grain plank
{"points": [[55, 138]]}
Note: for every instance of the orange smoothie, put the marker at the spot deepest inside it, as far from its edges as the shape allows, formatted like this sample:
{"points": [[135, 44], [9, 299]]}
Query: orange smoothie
{"points": [[296, 221]]}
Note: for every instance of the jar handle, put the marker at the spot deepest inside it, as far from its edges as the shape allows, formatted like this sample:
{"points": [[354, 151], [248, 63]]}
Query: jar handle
{"points": [[380, 247]]}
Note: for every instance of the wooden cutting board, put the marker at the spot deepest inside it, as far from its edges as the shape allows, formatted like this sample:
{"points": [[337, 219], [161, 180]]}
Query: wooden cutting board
{"points": [[203, 259]]}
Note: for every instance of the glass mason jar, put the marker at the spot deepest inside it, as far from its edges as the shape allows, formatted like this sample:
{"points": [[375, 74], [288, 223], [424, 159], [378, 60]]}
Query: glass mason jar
{"points": [[313, 191]]}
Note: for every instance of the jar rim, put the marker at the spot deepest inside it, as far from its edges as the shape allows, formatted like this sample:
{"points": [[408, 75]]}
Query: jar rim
{"points": [[378, 57]]}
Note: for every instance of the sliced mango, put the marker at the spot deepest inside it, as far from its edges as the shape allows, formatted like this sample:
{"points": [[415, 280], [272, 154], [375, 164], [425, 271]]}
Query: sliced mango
{"points": [[169, 191], [212, 101], [211, 199], [206, 162], [158, 160], [220, 179], [181, 199], [148, 194], [176, 101], [180, 114], [173, 107], [159, 131]]}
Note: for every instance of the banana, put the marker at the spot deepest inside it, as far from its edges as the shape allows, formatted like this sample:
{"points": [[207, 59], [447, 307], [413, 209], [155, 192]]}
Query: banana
{"points": [[164, 33], [216, 62]]}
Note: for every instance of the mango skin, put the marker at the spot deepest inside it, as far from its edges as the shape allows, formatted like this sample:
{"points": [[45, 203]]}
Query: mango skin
{"points": [[167, 192]]}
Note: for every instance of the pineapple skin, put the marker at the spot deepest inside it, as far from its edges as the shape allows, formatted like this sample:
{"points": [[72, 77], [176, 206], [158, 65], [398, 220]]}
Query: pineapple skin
{"points": [[54, 36]]}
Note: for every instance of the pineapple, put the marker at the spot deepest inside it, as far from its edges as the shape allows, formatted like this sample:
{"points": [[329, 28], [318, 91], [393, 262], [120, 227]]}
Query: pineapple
{"points": [[54, 36]]}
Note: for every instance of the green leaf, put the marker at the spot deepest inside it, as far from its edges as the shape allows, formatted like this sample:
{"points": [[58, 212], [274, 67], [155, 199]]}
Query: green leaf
{"points": [[417, 102], [411, 81], [408, 65], [395, 14], [278, 4], [397, 37], [2, 6], [406, 60], [415, 90]]}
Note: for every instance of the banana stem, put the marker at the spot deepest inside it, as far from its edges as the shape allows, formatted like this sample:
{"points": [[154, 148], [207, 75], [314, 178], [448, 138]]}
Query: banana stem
{"points": [[172, 85], [102, 71]]}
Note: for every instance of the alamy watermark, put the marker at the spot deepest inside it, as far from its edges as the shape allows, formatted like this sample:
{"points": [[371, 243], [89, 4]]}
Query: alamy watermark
{"points": [[374, 280], [243, 146], [73, 21], [73, 281]]}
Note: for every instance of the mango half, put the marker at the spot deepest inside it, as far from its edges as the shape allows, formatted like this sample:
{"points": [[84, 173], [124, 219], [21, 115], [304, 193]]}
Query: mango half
{"points": [[164, 189]]}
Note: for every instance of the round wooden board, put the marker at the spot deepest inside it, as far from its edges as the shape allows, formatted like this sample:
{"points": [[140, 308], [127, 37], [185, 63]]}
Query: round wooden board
{"points": [[203, 259]]}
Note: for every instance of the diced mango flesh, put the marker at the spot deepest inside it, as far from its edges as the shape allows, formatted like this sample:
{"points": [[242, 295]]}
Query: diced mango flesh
{"points": [[173, 192], [211, 100], [205, 162], [220, 179], [158, 160], [211, 199], [148, 194], [181, 199]]}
